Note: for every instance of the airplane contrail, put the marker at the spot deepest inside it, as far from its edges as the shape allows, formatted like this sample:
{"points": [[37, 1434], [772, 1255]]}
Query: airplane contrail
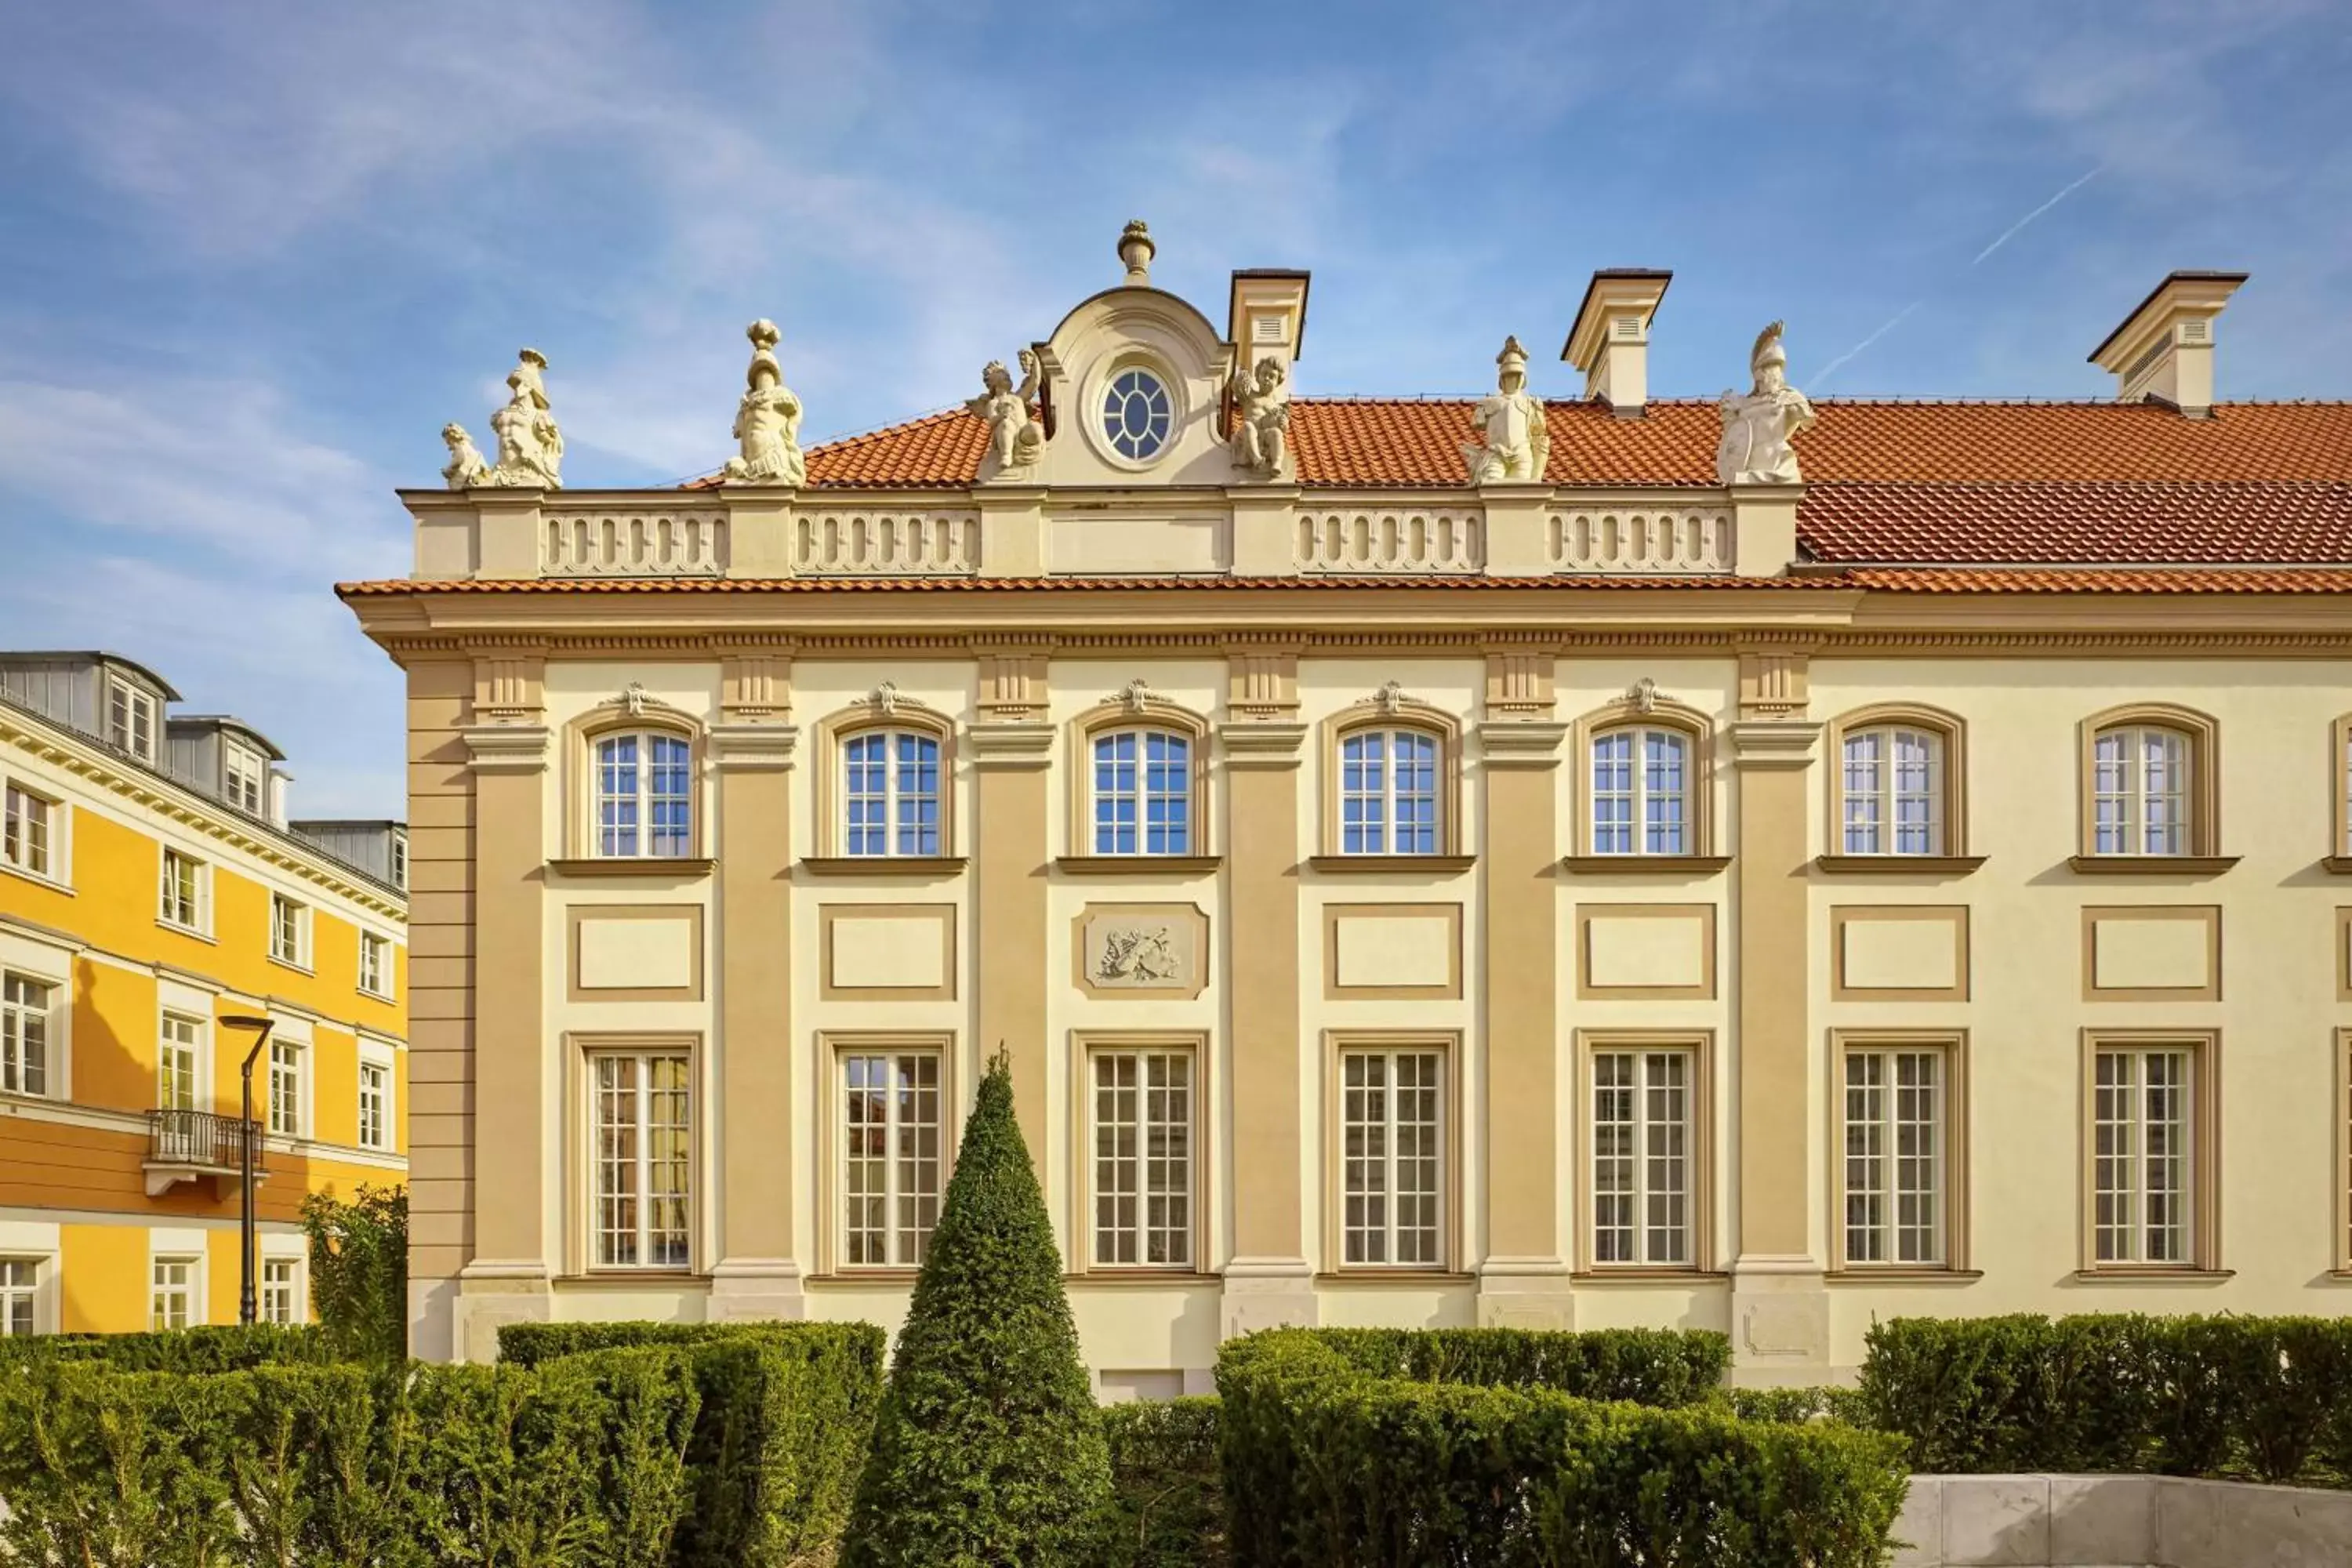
{"points": [[2006, 235], [2012, 231]]}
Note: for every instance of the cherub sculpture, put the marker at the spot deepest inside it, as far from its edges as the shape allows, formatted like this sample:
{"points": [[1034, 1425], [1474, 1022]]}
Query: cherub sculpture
{"points": [[465, 469], [1017, 438], [1261, 418]]}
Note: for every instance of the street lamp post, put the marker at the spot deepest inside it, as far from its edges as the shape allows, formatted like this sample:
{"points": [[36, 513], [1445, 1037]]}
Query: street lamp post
{"points": [[246, 1312]]}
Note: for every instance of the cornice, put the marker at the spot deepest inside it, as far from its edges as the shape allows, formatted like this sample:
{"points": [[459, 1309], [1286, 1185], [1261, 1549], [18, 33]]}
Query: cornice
{"points": [[1262, 742], [1769, 743], [506, 748], [1521, 742], [754, 748], [1021, 744]]}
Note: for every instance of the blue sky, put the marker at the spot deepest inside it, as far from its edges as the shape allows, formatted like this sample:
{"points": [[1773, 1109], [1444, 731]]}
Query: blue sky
{"points": [[256, 254]]}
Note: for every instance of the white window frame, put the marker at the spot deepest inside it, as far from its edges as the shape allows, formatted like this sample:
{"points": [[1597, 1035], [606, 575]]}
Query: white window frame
{"points": [[18, 801], [1183, 797], [1657, 1069], [375, 952], [1365, 1216], [201, 892], [287, 1065], [1111, 1173], [20, 1010], [1642, 792], [639, 1161], [641, 798], [244, 772], [139, 708], [1870, 1116], [400, 861], [176, 1255], [1870, 814], [895, 798], [902, 1246], [25, 1290], [1381, 800], [172, 1024], [295, 1289], [2133, 791], [2119, 1183], [296, 954], [377, 1058]]}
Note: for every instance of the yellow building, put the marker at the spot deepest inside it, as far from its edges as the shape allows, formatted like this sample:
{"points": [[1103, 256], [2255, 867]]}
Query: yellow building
{"points": [[152, 887], [1592, 861]]}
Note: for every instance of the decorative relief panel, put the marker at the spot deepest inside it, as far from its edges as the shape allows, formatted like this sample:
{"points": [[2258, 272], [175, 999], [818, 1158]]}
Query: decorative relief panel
{"points": [[886, 545], [1390, 543], [635, 953], [887, 952], [1639, 541], [2152, 952], [1381, 952], [1899, 952], [1656, 952], [1141, 950], [652, 543]]}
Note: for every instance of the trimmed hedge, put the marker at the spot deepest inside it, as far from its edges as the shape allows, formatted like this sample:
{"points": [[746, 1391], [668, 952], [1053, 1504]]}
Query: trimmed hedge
{"points": [[531, 1344], [1168, 1500], [1327, 1460], [2265, 1397], [216, 1348], [1648, 1367]]}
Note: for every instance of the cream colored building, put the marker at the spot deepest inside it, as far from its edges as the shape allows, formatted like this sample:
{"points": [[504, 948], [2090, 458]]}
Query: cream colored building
{"points": [[1591, 894]]}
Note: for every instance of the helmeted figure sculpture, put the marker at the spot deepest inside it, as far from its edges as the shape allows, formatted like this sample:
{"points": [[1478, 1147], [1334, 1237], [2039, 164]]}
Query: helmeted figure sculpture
{"points": [[1261, 437], [531, 447], [1016, 439], [1517, 445], [768, 418], [1759, 425]]}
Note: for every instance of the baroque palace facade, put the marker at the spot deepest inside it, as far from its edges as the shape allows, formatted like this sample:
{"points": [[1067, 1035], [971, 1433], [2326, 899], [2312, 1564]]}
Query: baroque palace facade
{"points": [[1588, 862], [152, 891]]}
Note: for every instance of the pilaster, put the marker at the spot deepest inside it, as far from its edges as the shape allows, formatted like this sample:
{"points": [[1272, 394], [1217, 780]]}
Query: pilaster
{"points": [[1264, 537], [1514, 526], [506, 531], [753, 750], [759, 531], [1012, 529], [1011, 752], [1268, 1280], [1779, 1303], [1764, 529]]}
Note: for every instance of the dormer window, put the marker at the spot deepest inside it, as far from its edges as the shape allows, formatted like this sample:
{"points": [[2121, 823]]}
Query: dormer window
{"points": [[1138, 415], [244, 773], [130, 718]]}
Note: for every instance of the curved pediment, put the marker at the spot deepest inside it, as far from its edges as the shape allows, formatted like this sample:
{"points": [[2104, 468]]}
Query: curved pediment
{"points": [[1135, 381]]}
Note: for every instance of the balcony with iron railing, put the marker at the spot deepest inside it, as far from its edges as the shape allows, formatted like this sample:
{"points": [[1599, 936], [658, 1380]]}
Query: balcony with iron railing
{"points": [[185, 1145]]}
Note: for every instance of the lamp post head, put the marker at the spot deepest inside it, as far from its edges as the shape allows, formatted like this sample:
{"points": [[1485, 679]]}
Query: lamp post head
{"points": [[248, 1021]]}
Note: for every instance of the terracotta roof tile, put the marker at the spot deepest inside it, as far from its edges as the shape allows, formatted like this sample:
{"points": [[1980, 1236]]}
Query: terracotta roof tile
{"points": [[2093, 580], [397, 585], [2161, 521]]}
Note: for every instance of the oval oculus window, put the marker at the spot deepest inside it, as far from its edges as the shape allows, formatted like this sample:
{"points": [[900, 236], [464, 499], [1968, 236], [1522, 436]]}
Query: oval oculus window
{"points": [[1137, 414]]}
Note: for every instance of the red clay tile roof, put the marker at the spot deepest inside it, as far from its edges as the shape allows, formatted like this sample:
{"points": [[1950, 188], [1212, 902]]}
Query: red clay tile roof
{"points": [[2090, 580], [2162, 522]]}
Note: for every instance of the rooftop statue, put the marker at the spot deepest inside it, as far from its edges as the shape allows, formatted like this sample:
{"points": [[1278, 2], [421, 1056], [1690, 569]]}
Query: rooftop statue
{"points": [[465, 469], [768, 419], [1261, 418], [1758, 426], [1516, 445], [1017, 439], [531, 447]]}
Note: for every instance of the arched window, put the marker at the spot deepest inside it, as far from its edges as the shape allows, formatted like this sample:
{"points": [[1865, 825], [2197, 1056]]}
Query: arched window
{"points": [[2141, 790], [643, 783], [1141, 801], [1642, 786], [1391, 799], [891, 793], [1891, 783]]}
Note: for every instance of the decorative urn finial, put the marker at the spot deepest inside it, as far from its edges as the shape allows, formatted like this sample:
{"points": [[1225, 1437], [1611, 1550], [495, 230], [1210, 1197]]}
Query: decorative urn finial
{"points": [[1136, 250]]}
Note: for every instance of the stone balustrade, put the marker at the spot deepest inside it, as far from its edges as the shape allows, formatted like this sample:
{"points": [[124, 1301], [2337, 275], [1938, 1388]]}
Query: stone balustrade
{"points": [[634, 542], [1648, 543], [861, 542], [1405, 542]]}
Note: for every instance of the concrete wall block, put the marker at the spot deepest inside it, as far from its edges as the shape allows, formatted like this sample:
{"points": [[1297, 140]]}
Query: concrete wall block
{"points": [[2098, 1521], [1920, 1526], [1997, 1522]]}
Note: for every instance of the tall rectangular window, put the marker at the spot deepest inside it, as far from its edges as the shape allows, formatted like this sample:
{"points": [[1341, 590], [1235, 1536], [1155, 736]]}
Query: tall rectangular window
{"points": [[285, 1088], [2140, 800], [1643, 1192], [19, 1284], [130, 718], [173, 1302], [375, 1105], [891, 793], [289, 931], [1896, 1105], [1389, 801], [2142, 1155], [1142, 1177], [176, 1056], [1393, 1157], [281, 1296], [27, 828], [24, 1005], [644, 1141], [375, 964], [400, 861], [645, 795], [182, 891], [891, 1147], [1143, 792], [1892, 791], [245, 773], [1640, 793]]}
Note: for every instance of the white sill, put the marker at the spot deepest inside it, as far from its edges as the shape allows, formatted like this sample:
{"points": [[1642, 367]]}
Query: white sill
{"points": [[39, 879], [297, 968], [176, 928]]}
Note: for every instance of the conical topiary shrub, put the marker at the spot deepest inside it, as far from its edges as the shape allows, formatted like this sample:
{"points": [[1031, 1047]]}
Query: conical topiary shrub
{"points": [[986, 1450]]}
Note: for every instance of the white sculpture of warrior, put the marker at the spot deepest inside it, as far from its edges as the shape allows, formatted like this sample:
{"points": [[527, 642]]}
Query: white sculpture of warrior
{"points": [[1017, 439], [1261, 416], [1517, 444], [531, 447], [465, 469], [768, 419], [1758, 425]]}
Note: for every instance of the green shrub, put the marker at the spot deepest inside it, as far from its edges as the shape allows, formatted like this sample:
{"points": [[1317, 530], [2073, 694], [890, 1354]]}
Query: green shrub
{"points": [[218, 1348], [532, 1345], [987, 1448], [1326, 1462], [787, 1420], [359, 1271], [1168, 1498], [2108, 1392], [1648, 1367], [1792, 1407]]}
